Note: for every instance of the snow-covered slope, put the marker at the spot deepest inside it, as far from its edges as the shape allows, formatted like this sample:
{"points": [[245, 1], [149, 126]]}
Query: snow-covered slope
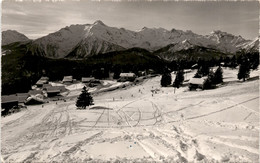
{"points": [[89, 39], [91, 46], [187, 50], [226, 42], [11, 36], [252, 46], [135, 125]]}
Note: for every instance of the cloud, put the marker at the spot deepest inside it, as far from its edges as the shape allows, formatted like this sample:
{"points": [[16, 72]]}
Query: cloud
{"points": [[251, 20], [13, 12]]}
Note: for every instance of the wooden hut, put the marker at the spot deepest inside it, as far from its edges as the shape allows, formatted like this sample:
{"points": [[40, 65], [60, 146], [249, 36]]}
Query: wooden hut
{"points": [[127, 77], [41, 81], [8, 102], [195, 83]]}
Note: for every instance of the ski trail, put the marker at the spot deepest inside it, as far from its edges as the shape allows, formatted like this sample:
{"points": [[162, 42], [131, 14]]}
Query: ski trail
{"points": [[246, 148], [227, 108], [98, 118], [244, 138]]}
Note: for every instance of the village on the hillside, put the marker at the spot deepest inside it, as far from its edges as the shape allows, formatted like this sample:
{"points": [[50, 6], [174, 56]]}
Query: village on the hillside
{"points": [[45, 90]]}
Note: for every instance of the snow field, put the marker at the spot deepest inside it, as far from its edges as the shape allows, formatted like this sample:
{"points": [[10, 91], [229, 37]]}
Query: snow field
{"points": [[135, 124]]}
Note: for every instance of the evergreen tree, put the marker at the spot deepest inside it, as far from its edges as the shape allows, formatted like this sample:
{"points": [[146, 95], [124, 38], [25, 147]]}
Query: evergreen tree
{"points": [[116, 75], [202, 71], [84, 99], [240, 56], [244, 69], [220, 60], [233, 62], [254, 60], [203, 68], [208, 84], [117, 71], [227, 62], [218, 76], [166, 79], [178, 79]]}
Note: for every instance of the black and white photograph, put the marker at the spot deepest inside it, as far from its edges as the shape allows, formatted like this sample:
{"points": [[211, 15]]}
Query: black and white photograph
{"points": [[129, 81]]}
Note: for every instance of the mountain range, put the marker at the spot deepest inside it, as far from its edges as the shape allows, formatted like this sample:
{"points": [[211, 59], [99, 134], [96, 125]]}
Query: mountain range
{"points": [[82, 41]]}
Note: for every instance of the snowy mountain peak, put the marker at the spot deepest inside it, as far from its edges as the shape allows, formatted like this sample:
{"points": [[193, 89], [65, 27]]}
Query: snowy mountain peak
{"points": [[219, 32], [11, 36], [99, 22], [226, 42], [215, 32]]}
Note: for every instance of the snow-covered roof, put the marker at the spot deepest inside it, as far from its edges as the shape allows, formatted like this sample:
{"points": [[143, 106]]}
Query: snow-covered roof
{"points": [[187, 70], [194, 65], [87, 79], [8, 99], [127, 74], [22, 98], [41, 82], [38, 98], [46, 85], [55, 89], [22, 94], [19, 97], [197, 81], [67, 79], [34, 92], [44, 78]]}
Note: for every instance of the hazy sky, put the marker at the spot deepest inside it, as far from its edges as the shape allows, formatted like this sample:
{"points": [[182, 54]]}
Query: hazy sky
{"points": [[39, 19]]}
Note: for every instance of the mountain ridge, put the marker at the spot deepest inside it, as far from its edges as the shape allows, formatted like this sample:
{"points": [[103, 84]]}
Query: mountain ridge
{"points": [[82, 41]]}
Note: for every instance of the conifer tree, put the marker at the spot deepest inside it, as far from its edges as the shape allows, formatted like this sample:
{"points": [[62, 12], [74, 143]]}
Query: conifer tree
{"points": [[244, 69], [178, 79], [254, 60], [218, 76], [209, 81], [203, 69], [233, 62], [166, 79], [84, 99]]}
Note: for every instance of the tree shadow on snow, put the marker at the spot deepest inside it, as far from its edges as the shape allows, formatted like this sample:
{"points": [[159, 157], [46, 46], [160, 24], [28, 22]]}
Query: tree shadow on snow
{"points": [[99, 108]]}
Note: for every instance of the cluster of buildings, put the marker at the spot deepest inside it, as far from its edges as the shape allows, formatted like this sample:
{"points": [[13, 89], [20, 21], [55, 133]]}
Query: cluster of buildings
{"points": [[39, 95], [44, 91], [18, 100]]}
